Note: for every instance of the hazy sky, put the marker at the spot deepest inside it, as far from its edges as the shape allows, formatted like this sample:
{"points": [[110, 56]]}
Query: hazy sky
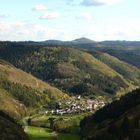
{"points": [[69, 19]]}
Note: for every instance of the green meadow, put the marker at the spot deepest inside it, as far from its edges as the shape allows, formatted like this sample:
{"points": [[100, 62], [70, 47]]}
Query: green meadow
{"points": [[38, 133]]}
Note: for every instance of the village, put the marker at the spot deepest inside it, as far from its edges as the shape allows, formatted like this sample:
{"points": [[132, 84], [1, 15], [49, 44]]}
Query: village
{"points": [[78, 105]]}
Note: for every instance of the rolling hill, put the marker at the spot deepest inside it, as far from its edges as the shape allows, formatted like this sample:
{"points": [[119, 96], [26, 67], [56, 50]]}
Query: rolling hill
{"points": [[128, 71], [18, 76], [128, 51], [82, 40], [21, 92], [130, 56], [71, 70]]}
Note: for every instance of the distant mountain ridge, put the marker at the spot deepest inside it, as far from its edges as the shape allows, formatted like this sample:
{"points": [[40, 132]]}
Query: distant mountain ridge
{"points": [[128, 51], [78, 41], [89, 42], [83, 40]]}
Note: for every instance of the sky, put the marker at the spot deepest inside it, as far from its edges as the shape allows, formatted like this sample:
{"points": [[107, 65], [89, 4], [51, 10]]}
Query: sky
{"points": [[39, 20]]}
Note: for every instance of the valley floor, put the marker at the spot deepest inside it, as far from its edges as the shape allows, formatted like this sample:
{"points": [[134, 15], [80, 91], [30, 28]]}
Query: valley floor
{"points": [[63, 127], [39, 133]]}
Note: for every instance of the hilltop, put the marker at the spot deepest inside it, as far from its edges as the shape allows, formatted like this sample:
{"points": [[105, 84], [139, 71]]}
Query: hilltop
{"points": [[82, 40]]}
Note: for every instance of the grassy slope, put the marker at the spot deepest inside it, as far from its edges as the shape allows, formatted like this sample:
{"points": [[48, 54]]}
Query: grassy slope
{"points": [[24, 91], [18, 76], [130, 56], [10, 105], [126, 70]]}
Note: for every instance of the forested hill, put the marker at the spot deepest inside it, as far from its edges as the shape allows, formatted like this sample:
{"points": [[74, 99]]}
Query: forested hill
{"points": [[21, 92], [128, 51], [69, 69], [116, 121], [128, 71]]}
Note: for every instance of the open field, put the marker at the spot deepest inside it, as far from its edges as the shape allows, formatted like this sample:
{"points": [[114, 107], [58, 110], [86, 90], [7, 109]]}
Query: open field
{"points": [[38, 133]]}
